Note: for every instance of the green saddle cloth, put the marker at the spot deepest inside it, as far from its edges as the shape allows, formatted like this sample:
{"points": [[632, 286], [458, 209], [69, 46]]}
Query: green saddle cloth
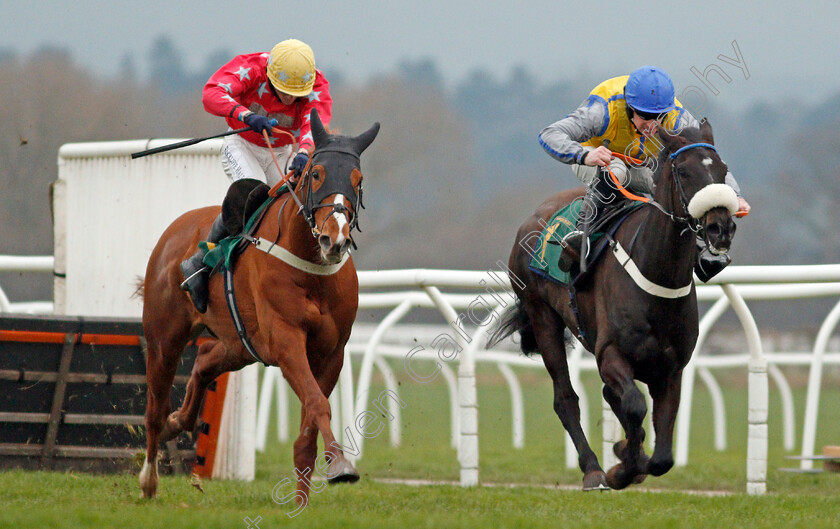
{"points": [[547, 249], [224, 250]]}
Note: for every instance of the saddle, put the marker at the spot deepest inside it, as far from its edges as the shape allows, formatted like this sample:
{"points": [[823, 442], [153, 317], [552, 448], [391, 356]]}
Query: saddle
{"points": [[243, 209], [548, 248], [243, 198], [612, 218]]}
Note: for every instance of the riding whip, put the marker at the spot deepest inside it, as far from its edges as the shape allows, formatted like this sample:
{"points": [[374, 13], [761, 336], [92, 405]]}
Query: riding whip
{"points": [[193, 141]]}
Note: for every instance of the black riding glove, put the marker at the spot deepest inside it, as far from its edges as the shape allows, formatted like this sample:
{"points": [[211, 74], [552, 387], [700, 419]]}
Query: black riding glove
{"points": [[259, 123], [299, 163]]}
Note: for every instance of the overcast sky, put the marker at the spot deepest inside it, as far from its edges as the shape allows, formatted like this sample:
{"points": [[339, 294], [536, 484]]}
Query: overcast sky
{"points": [[788, 51]]}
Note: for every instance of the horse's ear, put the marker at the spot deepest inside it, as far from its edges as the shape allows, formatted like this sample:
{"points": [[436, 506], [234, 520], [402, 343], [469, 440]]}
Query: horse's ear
{"points": [[319, 133], [364, 139], [706, 131], [670, 140]]}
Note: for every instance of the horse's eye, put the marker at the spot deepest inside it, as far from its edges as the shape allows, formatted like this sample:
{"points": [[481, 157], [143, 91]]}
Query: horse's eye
{"points": [[682, 172], [316, 174]]}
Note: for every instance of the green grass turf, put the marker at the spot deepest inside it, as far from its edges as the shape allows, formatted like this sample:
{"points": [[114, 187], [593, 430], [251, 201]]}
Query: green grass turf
{"points": [[41, 499], [45, 499], [426, 453]]}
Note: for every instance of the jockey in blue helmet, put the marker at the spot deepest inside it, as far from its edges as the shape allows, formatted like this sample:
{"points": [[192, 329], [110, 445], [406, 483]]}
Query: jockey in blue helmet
{"points": [[622, 115]]}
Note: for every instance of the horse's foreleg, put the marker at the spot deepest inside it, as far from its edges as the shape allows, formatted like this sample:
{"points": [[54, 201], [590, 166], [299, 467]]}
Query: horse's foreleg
{"points": [[628, 403], [326, 372], [548, 331], [315, 408], [666, 402], [622, 449]]}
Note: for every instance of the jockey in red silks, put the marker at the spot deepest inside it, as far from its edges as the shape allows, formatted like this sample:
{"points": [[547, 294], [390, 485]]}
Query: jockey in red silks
{"points": [[277, 90]]}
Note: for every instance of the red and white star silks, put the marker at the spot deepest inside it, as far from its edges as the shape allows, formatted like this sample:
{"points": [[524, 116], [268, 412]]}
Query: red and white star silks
{"points": [[242, 84]]}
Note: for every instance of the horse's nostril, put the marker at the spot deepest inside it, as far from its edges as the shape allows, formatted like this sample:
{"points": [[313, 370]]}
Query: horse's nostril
{"points": [[714, 230], [324, 241]]}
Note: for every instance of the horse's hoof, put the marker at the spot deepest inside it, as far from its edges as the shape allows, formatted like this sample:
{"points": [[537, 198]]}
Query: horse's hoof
{"points": [[639, 478], [618, 478], [148, 481], [342, 471], [595, 480], [147, 492]]}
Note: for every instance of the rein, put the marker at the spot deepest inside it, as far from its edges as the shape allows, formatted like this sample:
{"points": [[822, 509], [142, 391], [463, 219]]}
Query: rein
{"points": [[287, 177], [649, 201], [308, 209], [691, 223], [623, 257]]}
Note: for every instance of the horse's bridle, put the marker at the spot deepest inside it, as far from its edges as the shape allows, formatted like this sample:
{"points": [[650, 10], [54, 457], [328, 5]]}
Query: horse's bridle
{"points": [[691, 223], [344, 187]]}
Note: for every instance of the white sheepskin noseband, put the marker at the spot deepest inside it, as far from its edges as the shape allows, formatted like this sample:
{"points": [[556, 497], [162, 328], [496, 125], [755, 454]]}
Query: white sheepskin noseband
{"points": [[713, 196]]}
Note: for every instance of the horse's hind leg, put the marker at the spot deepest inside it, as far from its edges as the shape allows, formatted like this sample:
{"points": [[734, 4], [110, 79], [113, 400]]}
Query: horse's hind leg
{"points": [[666, 401], [548, 331], [161, 364], [629, 405], [212, 359]]}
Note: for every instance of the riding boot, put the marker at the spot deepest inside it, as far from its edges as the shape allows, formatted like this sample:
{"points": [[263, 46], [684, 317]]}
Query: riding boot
{"points": [[570, 254], [598, 199], [709, 265], [196, 273]]}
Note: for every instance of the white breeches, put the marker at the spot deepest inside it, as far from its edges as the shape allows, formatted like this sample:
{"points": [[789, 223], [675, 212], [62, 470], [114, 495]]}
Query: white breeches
{"points": [[637, 179], [243, 159]]}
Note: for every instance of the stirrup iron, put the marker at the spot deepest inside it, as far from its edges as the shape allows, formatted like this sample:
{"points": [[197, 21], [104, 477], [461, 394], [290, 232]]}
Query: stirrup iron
{"points": [[201, 270]]}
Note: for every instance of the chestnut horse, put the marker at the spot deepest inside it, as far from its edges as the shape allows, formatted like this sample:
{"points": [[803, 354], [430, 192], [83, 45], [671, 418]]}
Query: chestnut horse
{"points": [[637, 313], [297, 316]]}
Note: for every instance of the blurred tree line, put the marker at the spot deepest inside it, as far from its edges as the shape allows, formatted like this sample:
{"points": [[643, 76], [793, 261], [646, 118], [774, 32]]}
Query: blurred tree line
{"points": [[453, 173]]}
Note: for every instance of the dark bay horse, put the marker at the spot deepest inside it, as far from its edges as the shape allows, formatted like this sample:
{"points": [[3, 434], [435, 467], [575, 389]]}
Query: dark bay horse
{"points": [[297, 316], [639, 320]]}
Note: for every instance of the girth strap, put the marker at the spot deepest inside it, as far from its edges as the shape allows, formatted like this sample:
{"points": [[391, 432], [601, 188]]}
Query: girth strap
{"points": [[230, 297]]}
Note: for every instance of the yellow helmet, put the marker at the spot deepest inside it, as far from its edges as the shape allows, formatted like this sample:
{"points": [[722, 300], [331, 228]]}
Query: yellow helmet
{"points": [[291, 68]]}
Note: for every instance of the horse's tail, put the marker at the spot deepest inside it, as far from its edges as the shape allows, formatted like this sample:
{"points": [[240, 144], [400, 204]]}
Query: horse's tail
{"points": [[140, 291], [512, 320]]}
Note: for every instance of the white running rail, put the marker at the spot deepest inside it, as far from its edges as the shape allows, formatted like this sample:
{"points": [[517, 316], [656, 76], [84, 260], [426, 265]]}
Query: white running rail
{"points": [[26, 263], [476, 303], [427, 289]]}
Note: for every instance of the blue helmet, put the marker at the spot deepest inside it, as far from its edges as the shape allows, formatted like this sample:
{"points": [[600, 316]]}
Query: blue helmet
{"points": [[650, 90]]}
